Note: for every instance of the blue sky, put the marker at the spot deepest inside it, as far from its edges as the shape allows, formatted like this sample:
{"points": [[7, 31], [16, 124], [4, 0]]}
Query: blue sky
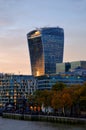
{"points": [[18, 17]]}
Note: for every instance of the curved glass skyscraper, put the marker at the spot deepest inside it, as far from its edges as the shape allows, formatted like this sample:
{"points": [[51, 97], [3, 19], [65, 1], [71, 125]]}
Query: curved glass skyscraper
{"points": [[46, 47]]}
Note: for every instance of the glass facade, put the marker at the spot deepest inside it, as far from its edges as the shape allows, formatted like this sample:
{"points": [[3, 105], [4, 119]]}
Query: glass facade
{"points": [[14, 87], [47, 81], [46, 49]]}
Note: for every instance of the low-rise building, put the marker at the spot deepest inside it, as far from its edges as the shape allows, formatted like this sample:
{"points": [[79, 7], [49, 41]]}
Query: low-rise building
{"points": [[47, 81], [67, 66], [13, 87]]}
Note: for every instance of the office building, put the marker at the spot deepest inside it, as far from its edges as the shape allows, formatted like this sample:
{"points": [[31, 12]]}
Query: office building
{"points": [[47, 81], [14, 87], [46, 47], [70, 66], [62, 67]]}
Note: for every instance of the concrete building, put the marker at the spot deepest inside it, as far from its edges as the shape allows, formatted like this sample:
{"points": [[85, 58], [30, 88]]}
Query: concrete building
{"points": [[46, 47], [69, 66]]}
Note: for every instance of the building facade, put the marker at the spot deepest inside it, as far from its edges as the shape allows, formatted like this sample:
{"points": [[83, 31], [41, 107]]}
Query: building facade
{"points": [[47, 81], [14, 87], [62, 67], [46, 47], [70, 66]]}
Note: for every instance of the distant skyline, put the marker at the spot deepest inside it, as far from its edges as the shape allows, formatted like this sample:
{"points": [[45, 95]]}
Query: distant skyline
{"points": [[18, 17]]}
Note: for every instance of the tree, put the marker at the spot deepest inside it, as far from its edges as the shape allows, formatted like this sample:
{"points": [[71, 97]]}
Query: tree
{"points": [[66, 101], [58, 86], [56, 100], [61, 100], [83, 98], [78, 97]]}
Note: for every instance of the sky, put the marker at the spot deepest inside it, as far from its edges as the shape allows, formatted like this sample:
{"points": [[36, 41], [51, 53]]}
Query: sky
{"points": [[18, 17]]}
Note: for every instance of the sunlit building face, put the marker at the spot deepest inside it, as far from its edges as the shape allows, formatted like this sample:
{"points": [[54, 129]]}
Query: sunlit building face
{"points": [[46, 49]]}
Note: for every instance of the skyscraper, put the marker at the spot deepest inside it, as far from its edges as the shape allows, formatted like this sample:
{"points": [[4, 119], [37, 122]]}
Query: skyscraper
{"points": [[46, 47]]}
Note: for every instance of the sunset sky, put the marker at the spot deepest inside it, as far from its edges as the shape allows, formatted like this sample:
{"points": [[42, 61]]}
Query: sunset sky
{"points": [[18, 17]]}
